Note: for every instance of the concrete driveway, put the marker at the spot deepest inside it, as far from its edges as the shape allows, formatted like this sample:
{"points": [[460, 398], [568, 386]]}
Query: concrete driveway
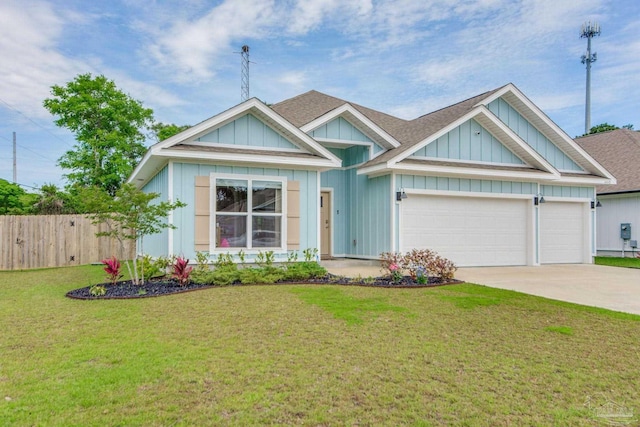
{"points": [[614, 288]]}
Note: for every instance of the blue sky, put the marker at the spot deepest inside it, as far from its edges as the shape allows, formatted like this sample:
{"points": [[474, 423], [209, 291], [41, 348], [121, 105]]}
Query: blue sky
{"points": [[402, 57]]}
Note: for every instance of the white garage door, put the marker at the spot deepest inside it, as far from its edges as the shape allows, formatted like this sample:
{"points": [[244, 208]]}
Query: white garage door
{"points": [[562, 232], [469, 231]]}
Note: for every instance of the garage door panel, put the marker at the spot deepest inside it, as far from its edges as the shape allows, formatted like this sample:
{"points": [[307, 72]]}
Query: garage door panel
{"points": [[562, 234], [469, 231]]}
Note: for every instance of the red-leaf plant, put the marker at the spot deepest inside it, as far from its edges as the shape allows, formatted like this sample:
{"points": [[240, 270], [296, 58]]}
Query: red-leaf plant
{"points": [[112, 268], [181, 270]]}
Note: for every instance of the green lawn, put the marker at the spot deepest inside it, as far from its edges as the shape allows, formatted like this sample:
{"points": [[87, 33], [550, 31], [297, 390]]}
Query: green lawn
{"points": [[618, 261], [314, 355]]}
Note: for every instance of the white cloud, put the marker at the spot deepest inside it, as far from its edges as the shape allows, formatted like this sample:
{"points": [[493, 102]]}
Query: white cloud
{"points": [[189, 48]]}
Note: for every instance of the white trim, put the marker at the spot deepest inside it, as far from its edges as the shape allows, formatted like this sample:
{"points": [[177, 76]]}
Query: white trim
{"points": [[474, 194], [246, 158], [246, 147], [393, 211], [331, 218], [337, 143], [551, 199], [170, 194], [318, 225], [564, 138], [535, 159], [249, 214], [590, 180], [348, 108], [254, 106], [470, 162]]}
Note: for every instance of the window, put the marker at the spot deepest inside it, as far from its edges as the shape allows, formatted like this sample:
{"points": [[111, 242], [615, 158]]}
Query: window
{"points": [[248, 212]]}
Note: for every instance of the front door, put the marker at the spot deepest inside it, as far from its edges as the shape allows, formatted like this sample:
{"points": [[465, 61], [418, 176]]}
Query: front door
{"points": [[325, 224]]}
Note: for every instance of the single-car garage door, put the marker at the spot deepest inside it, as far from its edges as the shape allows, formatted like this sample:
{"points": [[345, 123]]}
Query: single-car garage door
{"points": [[562, 232], [469, 231]]}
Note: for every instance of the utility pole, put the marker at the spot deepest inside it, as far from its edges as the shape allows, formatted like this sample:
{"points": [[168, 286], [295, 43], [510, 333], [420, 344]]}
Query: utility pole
{"points": [[15, 162], [244, 91], [588, 31]]}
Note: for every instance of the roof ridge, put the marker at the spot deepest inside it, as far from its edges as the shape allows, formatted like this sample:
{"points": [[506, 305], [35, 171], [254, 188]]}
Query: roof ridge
{"points": [[482, 95]]}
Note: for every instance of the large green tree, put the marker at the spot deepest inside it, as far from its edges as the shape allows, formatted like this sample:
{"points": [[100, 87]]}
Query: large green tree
{"points": [[14, 200], [163, 131], [53, 201], [109, 128]]}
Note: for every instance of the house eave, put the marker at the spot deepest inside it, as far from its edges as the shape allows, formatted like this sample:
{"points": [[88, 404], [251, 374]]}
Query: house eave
{"points": [[253, 159], [458, 172]]}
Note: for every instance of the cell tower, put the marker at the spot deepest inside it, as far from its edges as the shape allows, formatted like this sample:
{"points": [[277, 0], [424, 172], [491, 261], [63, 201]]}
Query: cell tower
{"points": [[588, 31], [244, 91]]}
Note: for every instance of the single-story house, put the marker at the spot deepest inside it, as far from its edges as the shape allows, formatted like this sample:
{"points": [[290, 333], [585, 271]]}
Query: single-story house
{"points": [[619, 152], [487, 181]]}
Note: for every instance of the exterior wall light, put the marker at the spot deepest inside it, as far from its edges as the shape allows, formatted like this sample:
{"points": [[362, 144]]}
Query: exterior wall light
{"points": [[400, 195], [537, 200]]}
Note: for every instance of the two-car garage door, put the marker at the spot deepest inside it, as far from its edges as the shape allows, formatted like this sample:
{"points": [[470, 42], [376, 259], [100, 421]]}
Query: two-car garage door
{"points": [[475, 231]]}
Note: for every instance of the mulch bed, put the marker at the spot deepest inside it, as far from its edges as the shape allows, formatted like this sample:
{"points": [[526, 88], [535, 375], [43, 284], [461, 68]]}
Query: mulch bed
{"points": [[162, 286]]}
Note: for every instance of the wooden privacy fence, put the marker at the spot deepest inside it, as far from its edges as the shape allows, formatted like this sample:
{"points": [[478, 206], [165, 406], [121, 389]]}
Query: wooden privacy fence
{"points": [[36, 241]]}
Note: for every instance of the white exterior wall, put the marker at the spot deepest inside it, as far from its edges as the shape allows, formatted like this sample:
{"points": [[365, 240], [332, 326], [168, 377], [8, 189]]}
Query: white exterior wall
{"points": [[617, 209]]}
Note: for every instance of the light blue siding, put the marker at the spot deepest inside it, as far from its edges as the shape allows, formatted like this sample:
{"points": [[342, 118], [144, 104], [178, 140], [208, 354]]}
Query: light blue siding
{"points": [[567, 191], [469, 141], [361, 207], [158, 244], [340, 129], [505, 112], [248, 131], [370, 215], [465, 185], [184, 189]]}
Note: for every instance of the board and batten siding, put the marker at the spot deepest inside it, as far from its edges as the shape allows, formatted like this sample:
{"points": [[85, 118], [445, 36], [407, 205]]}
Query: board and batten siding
{"points": [[158, 244], [469, 141], [532, 136], [369, 215], [340, 129], [185, 174], [248, 131], [465, 185], [361, 207], [615, 210], [567, 191]]}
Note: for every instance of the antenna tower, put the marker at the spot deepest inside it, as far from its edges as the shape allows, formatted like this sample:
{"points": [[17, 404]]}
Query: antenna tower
{"points": [[588, 31], [244, 90]]}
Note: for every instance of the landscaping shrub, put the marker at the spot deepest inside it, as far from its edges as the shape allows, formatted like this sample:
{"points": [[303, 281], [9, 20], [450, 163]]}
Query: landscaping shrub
{"points": [[182, 270], [391, 262], [112, 268], [419, 263], [147, 267]]}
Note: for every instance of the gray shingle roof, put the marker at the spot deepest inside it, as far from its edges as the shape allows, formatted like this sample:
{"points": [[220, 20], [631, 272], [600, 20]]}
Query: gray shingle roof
{"points": [[307, 107], [619, 152]]}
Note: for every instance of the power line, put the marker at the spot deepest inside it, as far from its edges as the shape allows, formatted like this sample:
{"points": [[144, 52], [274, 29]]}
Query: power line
{"points": [[34, 122]]}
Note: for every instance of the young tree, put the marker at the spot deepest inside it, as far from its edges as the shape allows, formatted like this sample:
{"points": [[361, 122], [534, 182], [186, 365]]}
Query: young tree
{"points": [[109, 127], [131, 215]]}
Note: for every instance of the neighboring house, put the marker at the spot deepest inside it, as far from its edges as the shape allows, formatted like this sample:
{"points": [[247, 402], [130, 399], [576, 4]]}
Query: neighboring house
{"points": [[316, 171], [619, 152]]}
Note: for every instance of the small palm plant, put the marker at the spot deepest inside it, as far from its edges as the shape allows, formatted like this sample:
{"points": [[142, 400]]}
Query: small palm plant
{"points": [[112, 268], [181, 271]]}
